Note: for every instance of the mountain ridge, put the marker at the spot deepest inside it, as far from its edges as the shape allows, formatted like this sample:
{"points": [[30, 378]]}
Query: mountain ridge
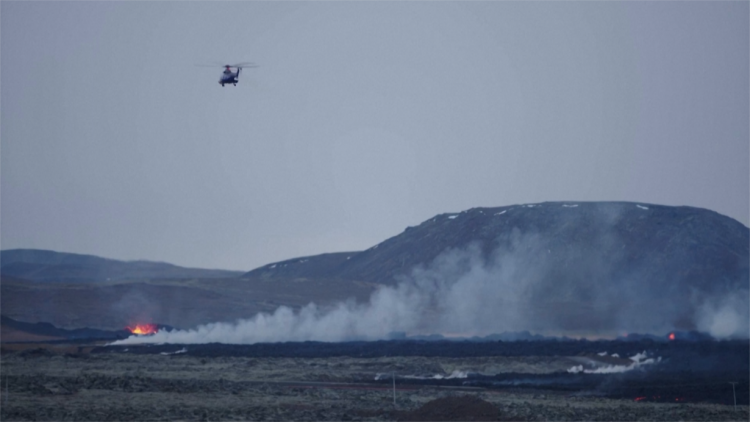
{"points": [[571, 266], [580, 221], [43, 265]]}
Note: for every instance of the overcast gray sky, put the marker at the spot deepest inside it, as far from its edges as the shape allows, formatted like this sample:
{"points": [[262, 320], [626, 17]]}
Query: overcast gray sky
{"points": [[363, 118]]}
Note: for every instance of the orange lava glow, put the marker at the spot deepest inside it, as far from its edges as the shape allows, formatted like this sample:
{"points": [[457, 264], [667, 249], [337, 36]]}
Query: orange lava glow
{"points": [[671, 336], [640, 398], [143, 329]]}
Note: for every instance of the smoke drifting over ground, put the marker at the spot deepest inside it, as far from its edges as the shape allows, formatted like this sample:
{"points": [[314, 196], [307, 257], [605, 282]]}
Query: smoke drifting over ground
{"points": [[525, 282], [725, 316], [638, 360]]}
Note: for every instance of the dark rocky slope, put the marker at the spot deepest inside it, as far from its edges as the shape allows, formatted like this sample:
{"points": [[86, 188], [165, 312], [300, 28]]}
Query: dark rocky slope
{"points": [[48, 330], [658, 242]]}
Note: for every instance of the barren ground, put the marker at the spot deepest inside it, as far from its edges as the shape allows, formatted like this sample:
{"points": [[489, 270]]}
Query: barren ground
{"points": [[57, 385]]}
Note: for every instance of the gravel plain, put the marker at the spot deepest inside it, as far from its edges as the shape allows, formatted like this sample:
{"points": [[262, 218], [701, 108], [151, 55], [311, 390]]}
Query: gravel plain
{"points": [[47, 385]]}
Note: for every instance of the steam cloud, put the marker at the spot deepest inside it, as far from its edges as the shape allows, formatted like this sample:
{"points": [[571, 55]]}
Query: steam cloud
{"points": [[638, 360], [725, 316], [526, 282]]}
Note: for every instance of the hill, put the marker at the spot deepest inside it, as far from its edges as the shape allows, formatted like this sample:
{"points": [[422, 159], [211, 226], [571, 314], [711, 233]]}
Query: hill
{"points": [[50, 266], [574, 267], [659, 241], [24, 330], [580, 268]]}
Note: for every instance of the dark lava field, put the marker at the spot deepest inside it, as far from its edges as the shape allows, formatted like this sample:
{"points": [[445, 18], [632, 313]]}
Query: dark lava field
{"points": [[686, 371], [383, 380]]}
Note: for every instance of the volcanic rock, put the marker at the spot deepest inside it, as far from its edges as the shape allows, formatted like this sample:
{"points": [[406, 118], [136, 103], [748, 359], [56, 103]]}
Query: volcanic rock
{"points": [[459, 408]]}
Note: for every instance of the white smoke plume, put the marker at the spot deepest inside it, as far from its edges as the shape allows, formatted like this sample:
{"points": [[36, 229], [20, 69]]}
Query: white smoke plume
{"points": [[453, 375], [526, 283], [725, 317], [639, 360], [459, 293]]}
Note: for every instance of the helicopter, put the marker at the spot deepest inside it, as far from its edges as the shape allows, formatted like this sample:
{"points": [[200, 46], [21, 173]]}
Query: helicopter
{"points": [[228, 76]]}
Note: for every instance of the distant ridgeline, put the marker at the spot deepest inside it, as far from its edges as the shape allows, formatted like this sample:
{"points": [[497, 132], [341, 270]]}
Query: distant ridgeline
{"points": [[49, 266]]}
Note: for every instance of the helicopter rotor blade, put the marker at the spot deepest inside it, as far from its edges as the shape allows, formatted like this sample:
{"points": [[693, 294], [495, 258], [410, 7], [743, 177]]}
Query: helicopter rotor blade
{"points": [[235, 66], [244, 64]]}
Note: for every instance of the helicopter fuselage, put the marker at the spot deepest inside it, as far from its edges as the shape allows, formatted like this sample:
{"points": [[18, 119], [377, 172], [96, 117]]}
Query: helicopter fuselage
{"points": [[229, 77]]}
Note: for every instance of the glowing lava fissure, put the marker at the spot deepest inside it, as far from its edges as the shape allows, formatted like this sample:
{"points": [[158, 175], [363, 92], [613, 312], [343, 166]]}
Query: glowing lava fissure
{"points": [[143, 329]]}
